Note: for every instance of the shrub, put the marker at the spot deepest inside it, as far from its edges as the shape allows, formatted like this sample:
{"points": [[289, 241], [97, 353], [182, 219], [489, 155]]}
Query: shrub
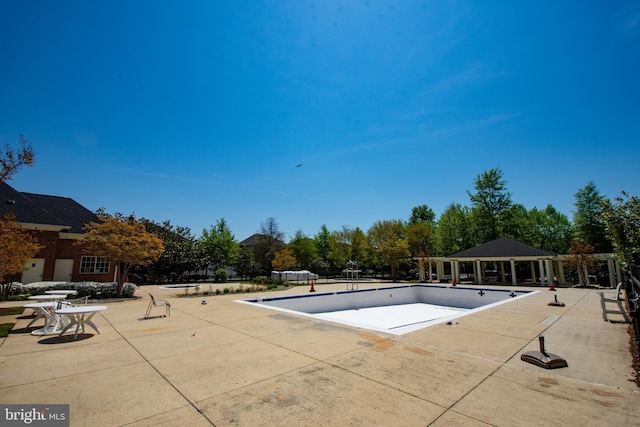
{"points": [[221, 275], [90, 289]]}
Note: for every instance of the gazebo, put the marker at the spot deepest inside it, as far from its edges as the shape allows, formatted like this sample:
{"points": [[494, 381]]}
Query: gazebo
{"points": [[489, 262], [504, 260]]}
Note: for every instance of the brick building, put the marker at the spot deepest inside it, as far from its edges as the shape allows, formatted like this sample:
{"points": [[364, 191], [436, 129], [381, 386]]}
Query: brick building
{"points": [[56, 222]]}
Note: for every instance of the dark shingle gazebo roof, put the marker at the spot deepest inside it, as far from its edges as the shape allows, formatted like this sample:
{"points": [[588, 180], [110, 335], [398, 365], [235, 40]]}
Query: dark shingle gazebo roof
{"points": [[503, 247]]}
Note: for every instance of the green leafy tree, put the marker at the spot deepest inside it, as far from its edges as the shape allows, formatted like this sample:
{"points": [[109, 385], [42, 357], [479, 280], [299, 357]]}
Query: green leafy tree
{"points": [[389, 241], [219, 245], [517, 224], [303, 249], [182, 252], [455, 231], [550, 230], [322, 241], [422, 213], [588, 219], [490, 200], [245, 266], [622, 217], [348, 244], [319, 267]]}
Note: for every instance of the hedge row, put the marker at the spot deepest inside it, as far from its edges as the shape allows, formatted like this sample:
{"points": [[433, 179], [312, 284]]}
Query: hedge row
{"points": [[83, 289]]}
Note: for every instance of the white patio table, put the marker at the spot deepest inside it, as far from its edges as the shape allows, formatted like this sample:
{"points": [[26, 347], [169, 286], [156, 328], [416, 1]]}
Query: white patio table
{"points": [[79, 316], [61, 292], [52, 321], [47, 297], [42, 310]]}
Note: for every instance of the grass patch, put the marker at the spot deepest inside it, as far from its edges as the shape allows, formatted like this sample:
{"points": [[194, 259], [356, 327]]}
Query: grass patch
{"points": [[11, 311], [5, 328]]}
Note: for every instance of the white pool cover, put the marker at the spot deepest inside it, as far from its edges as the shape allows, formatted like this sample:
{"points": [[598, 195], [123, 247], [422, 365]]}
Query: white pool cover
{"points": [[395, 310]]}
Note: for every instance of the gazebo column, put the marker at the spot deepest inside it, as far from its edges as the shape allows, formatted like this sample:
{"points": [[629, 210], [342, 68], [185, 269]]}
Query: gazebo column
{"points": [[502, 278], [455, 273], [542, 275], [612, 279], [618, 271], [513, 272], [478, 265], [430, 272], [533, 273], [550, 276], [561, 277], [440, 269]]}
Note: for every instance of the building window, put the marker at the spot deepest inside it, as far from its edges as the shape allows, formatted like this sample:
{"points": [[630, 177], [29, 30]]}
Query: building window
{"points": [[94, 264]]}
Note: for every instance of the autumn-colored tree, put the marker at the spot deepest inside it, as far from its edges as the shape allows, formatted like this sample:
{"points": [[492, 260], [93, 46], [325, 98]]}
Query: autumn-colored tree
{"points": [[581, 259], [123, 240], [16, 247], [283, 260], [12, 160]]}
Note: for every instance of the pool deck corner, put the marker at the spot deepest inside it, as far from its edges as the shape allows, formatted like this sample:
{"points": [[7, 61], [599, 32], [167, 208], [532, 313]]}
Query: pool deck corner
{"points": [[224, 363]]}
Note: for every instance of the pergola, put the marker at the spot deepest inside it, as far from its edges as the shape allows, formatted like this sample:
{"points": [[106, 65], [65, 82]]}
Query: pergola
{"points": [[497, 261]]}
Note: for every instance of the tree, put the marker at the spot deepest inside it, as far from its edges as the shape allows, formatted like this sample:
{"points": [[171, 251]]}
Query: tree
{"points": [[322, 242], [489, 202], [550, 230], [517, 224], [12, 160], [283, 260], [387, 238], [581, 260], [319, 266], [17, 246], [123, 240], [622, 218], [303, 249], [421, 239], [268, 242], [422, 213], [182, 252], [219, 245], [245, 266], [454, 232], [588, 221], [545, 229]]}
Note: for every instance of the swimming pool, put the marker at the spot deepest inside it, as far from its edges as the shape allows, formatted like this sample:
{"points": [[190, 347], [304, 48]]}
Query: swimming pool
{"points": [[395, 310]]}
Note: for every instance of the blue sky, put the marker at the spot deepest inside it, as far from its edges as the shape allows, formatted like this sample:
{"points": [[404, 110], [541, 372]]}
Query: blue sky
{"points": [[194, 111]]}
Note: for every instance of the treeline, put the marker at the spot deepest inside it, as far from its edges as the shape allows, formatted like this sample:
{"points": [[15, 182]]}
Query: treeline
{"points": [[388, 247]]}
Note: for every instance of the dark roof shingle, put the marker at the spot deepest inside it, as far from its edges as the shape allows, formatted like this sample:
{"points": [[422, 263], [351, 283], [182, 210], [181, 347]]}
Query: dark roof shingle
{"points": [[46, 210], [502, 247]]}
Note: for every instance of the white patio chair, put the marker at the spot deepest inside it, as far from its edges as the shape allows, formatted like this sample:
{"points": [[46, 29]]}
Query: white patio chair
{"points": [[153, 303], [618, 300], [77, 301]]}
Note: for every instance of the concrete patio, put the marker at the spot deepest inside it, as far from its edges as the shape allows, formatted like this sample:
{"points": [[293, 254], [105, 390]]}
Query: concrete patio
{"points": [[226, 363]]}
